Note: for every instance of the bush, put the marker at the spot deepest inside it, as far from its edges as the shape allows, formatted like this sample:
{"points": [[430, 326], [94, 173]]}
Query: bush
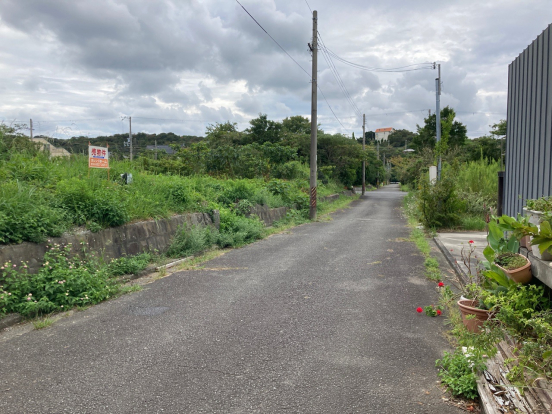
{"points": [[456, 371], [237, 230], [190, 240], [91, 202], [61, 284], [129, 265], [438, 204], [27, 214]]}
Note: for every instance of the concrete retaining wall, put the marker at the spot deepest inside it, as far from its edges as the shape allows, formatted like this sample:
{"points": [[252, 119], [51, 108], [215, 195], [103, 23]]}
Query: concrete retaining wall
{"points": [[268, 215], [114, 242]]}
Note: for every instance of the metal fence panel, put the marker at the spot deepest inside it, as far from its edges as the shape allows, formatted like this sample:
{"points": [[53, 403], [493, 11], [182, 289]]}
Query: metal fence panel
{"points": [[529, 135]]}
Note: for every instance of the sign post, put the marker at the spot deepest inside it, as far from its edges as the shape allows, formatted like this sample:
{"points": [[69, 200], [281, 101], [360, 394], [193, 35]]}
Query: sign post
{"points": [[98, 157]]}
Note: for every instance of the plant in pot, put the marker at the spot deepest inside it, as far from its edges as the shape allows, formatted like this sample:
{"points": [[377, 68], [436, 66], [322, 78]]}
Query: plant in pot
{"points": [[541, 243], [503, 253], [536, 208]]}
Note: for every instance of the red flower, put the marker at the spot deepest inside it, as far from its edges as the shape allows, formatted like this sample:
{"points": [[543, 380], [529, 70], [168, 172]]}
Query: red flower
{"points": [[419, 310], [438, 312], [440, 284], [470, 242]]}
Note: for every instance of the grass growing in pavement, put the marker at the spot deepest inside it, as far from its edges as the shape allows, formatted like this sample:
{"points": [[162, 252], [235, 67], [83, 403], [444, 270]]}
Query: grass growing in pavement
{"points": [[43, 323], [418, 237]]}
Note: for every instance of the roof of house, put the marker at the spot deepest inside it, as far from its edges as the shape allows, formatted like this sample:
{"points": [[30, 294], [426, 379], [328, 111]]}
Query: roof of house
{"points": [[384, 129], [165, 148]]}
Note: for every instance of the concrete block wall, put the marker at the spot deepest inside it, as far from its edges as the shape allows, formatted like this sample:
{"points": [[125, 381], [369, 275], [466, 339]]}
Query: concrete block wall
{"points": [[115, 242]]}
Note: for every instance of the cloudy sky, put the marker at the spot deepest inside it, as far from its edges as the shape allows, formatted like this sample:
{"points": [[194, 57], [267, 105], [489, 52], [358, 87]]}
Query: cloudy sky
{"points": [[79, 67]]}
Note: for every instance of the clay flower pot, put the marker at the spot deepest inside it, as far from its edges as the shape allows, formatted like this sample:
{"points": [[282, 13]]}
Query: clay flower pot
{"points": [[521, 274], [525, 241], [469, 307]]}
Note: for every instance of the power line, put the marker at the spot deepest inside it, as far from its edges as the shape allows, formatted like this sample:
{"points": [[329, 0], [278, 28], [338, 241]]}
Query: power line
{"points": [[308, 6], [324, 96], [406, 68], [303, 69], [337, 76], [274, 40]]}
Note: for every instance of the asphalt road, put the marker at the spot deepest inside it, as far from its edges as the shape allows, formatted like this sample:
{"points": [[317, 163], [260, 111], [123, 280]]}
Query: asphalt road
{"points": [[320, 319]]}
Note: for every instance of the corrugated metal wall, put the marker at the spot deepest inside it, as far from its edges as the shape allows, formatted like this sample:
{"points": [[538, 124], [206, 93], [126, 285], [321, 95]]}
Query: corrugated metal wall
{"points": [[529, 136]]}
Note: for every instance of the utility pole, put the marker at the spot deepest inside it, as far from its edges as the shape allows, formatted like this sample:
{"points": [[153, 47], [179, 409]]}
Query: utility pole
{"points": [[314, 117], [377, 182], [156, 149], [31, 124], [130, 135], [364, 155], [438, 116]]}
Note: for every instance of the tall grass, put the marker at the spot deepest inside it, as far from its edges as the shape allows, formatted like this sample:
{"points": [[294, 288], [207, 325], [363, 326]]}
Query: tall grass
{"points": [[479, 177], [41, 197]]}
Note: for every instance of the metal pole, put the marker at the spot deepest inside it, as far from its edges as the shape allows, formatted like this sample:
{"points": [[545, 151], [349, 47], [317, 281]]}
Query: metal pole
{"points": [[314, 121], [130, 135], [438, 116], [377, 181], [364, 155]]}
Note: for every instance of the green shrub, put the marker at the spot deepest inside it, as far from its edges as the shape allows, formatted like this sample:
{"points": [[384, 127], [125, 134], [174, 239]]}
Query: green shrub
{"points": [[61, 283], [236, 191], [438, 204], [190, 240], [236, 230], [129, 265], [292, 170], [456, 371], [27, 214], [89, 201]]}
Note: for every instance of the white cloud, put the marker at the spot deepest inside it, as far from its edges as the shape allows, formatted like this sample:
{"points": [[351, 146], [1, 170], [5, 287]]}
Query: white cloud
{"points": [[208, 61]]}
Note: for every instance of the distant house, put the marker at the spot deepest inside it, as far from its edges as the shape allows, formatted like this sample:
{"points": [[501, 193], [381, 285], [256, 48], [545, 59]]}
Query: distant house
{"points": [[54, 151], [165, 148], [382, 134]]}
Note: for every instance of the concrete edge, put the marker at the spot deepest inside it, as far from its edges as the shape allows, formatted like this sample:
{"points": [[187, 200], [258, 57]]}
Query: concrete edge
{"points": [[462, 276], [10, 320]]}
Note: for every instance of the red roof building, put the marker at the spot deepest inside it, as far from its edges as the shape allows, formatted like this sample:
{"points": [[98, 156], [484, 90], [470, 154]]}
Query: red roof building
{"points": [[382, 134]]}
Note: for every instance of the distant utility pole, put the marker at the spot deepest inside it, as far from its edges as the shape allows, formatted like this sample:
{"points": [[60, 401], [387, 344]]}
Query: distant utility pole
{"points": [[438, 115], [31, 124], [377, 182], [130, 135], [314, 118], [364, 155]]}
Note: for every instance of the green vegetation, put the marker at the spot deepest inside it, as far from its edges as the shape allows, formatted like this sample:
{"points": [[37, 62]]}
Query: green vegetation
{"points": [[457, 372], [228, 170], [43, 323]]}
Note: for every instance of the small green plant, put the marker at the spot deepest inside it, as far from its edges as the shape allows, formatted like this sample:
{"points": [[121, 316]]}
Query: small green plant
{"points": [[43, 323], [129, 265], [511, 261], [457, 372], [540, 204]]}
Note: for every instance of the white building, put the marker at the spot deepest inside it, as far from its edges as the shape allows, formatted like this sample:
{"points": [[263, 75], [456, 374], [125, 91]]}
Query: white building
{"points": [[382, 134]]}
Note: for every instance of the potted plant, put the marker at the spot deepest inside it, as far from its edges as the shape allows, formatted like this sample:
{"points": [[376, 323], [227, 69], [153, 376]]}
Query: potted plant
{"points": [[515, 265], [541, 243], [536, 208]]}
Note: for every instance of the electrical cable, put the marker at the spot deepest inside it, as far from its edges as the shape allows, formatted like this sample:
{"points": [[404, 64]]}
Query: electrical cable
{"points": [[274, 40], [427, 65], [338, 77]]}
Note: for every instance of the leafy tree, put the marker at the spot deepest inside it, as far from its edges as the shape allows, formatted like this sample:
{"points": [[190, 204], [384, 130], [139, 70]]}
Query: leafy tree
{"points": [[499, 129], [13, 142], [398, 137], [483, 148], [264, 130], [426, 135], [223, 134], [296, 125]]}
